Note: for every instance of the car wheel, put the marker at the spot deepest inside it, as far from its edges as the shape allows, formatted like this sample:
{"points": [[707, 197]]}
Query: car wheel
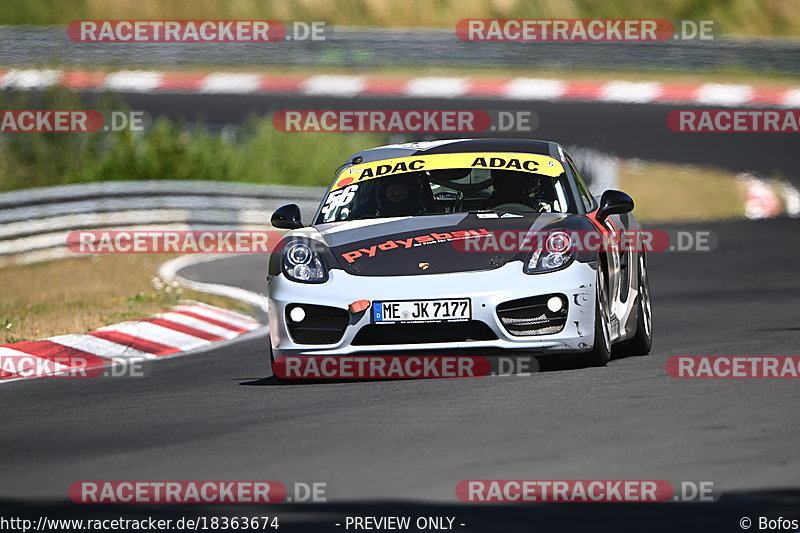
{"points": [[601, 350], [642, 340]]}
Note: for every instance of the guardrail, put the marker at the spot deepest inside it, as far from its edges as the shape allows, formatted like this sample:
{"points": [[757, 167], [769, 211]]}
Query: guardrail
{"points": [[369, 47], [35, 223]]}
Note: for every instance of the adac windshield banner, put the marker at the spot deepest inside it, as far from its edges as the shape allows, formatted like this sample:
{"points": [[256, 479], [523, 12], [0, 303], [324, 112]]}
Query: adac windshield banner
{"points": [[532, 163]]}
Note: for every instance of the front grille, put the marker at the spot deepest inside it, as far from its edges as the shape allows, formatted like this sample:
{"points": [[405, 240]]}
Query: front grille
{"points": [[383, 334], [321, 325], [530, 316]]}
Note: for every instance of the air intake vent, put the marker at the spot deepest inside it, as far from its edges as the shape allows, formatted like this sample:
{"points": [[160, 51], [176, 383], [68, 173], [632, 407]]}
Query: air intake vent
{"points": [[535, 315], [318, 324], [383, 334]]}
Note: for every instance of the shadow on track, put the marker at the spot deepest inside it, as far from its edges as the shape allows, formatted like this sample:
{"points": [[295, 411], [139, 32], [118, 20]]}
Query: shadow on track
{"points": [[534, 365]]}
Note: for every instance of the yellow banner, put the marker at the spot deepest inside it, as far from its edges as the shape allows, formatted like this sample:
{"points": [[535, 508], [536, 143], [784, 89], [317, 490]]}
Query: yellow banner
{"points": [[532, 163]]}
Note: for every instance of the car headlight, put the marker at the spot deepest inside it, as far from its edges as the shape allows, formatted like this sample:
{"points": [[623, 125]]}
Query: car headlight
{"points": [[300, 262], [557, 253]]}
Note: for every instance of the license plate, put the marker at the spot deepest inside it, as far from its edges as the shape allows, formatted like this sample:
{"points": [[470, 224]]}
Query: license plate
{"points": [[421, 311]]}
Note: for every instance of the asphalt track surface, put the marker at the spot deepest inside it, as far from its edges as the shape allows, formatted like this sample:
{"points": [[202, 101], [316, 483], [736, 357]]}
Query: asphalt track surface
{"points": [[402, 446]]}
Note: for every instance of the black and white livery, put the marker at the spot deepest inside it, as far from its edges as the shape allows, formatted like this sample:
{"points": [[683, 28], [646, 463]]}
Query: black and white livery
{"points": [[460, 246]]}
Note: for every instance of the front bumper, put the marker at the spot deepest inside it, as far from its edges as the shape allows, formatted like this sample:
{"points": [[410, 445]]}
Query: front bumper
{"points": [[486, 289]]}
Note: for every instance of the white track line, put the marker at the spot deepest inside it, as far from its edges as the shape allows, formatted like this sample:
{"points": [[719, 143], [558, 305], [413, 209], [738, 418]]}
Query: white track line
{"points": [[169, 271]]}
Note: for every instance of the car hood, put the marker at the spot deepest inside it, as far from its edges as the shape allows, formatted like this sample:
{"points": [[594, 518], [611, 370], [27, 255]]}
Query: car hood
{"points": [[432, 244]]}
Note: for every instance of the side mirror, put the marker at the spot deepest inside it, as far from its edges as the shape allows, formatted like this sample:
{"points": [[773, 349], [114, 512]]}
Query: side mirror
{"points": [[614, 203], [287, 217]]}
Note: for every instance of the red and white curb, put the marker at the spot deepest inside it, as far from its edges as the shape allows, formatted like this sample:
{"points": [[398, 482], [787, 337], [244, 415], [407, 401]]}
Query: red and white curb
{"points": [[765, 199], [186, 328], [141, 81]]}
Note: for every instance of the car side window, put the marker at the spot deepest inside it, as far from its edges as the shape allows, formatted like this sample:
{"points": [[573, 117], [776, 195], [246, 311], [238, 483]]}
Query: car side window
{"points": [[583, 190]]}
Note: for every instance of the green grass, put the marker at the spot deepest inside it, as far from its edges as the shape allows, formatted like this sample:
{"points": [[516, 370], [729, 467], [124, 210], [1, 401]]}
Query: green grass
{"points": [[255, 152], [668, 192], [737, 17], [102, 290]]}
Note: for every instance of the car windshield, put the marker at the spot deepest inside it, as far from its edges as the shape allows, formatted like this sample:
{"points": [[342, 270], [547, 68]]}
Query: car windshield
{"points": [[459, 190]]}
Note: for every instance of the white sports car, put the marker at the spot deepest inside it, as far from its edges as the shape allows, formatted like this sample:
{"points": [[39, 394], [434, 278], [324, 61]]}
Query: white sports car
{"points": [[417, 247]]}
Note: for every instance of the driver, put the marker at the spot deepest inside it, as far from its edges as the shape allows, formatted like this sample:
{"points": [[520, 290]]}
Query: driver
{"points": [[512, 187], [401, 195]]}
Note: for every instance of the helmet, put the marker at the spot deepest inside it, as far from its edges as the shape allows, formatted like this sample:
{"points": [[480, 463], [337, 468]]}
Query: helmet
{"points": [[511, 186], [401, 195]]}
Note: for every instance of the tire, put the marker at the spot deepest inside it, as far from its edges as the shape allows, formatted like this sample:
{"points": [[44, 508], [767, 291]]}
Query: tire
{"points": [[642, 341], [601, 350]]}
